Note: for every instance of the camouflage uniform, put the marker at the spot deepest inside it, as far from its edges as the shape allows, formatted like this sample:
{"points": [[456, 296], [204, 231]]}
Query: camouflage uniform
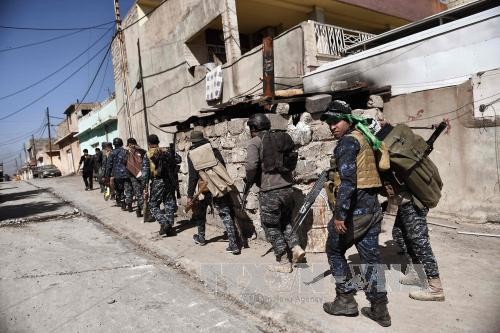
{"points": [[411, 234], [162, 191], [116, 168], [276, 208], [223, 207], [360, 210], [138, 189]]}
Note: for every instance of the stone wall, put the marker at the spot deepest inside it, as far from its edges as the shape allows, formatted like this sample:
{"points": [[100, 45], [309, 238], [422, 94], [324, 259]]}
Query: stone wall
{"points": [[315, 146]]}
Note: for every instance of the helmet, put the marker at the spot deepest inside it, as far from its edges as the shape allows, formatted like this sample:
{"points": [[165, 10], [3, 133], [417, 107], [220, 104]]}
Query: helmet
{"points": [[339, 106], [117, 142], [259, 122]]}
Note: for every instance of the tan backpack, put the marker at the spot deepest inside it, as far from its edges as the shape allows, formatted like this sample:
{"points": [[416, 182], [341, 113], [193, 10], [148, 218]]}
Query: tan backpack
{"points": [[211, 170]]}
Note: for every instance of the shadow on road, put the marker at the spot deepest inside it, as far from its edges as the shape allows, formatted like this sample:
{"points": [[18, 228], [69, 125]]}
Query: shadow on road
{"points": [[19, 195], [390, 254], [28, 209]]}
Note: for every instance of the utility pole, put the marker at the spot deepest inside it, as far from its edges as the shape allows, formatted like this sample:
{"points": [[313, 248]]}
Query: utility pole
{"points": [[33, 147], [268, 67], [123, 63], [50, 138], [141, 83]]}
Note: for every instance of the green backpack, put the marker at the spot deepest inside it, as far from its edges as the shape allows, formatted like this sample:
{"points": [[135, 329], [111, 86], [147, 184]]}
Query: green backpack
{"points": [[412, 166]]}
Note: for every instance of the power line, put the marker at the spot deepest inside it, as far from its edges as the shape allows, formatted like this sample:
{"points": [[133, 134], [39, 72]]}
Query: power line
{"points": [[57, 86], [56, 29], [142, 17], [103, 79], [59, 69], [41, 42], [95, 76], [23, 137]]}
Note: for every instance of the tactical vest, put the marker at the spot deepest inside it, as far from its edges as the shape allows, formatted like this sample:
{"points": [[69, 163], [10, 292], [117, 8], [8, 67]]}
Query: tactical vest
{"points": [[366, 167], [152, 165], [211, 171]]}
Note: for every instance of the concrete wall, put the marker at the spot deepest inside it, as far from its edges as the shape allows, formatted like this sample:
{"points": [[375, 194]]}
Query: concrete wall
{"points": [[98, 126], [173, 93], [466, 154], [69, 161], [315, 146]]}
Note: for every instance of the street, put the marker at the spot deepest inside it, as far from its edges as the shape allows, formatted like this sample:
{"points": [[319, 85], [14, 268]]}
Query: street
{"points": [[69, 274], [74, 262]]}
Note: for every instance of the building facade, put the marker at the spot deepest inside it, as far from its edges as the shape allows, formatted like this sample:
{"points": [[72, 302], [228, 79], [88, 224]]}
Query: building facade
{"points": [[67, 142], [98, 126], [181, 42]]}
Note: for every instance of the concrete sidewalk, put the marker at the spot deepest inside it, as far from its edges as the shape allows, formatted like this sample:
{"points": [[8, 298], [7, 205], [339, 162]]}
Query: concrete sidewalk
{"points": [[468, 265]]}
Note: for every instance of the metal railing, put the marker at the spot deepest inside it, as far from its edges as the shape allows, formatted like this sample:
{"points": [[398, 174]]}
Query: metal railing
{"points": [[332, 40]]}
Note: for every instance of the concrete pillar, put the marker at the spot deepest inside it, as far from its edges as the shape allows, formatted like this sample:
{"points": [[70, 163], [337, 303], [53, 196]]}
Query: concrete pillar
{"points": [[318, 14], [231, 31]]}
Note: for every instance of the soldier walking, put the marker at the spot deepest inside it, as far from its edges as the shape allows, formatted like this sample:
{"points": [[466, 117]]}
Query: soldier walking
{"points": [[157, 166], [88, 169], [357, 219], [134, 166], [202, 155], [116, 168], [275, 197], [411, 233]]}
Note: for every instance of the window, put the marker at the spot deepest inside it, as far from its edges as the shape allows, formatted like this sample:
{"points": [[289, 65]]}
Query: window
{"points": [[207, 46]]}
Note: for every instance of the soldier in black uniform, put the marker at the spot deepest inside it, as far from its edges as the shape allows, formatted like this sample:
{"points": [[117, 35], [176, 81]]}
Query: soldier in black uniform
{"points": [[88, 169]]}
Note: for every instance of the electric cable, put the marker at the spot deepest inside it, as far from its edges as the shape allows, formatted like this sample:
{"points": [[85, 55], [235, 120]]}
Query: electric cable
{"points": [[57, 86], [41, 42], [59, 69], [95, 76], [103, 79], [55, 29]]}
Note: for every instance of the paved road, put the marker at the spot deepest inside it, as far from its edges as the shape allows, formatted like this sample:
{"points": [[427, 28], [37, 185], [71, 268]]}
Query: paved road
{"points": [[69, 274]]}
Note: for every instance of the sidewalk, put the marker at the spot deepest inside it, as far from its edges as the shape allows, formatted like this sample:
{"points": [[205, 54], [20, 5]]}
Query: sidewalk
{"points": [[468, 265]]}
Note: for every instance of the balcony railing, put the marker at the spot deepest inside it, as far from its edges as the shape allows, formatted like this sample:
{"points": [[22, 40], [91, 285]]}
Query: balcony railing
{"points": [[332, 40]]}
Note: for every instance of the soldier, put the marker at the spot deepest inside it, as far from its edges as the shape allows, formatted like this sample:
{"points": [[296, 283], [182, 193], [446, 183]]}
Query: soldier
{"points": [[116, 168], [357, 219], [88, 169], [411, 234], [107, 148], [200, 153], [156, 166], [98, 157], [275, 198], [134, 166]]}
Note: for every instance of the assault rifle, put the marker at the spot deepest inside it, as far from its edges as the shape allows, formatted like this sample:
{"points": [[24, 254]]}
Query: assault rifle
{"points": [[202, 188], [430, 142], [308, 202]]}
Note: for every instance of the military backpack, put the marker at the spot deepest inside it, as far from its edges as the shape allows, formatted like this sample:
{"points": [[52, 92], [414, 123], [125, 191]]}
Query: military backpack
{"points": [[411, 165]]}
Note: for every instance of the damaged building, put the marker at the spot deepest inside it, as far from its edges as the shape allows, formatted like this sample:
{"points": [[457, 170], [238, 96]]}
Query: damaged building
{"points": [[180, 66]]}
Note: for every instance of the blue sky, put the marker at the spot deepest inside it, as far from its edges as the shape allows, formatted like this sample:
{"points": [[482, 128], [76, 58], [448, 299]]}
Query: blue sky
{"points": [[22, 67]]}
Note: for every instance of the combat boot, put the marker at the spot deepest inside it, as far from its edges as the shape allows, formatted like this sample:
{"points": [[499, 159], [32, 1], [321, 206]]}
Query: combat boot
{"points": [[378, 312], [411, 277], [129, 207], [282, 265], [200, 240], [124, 205], [433, 292], [343, 305], [298, 254]]}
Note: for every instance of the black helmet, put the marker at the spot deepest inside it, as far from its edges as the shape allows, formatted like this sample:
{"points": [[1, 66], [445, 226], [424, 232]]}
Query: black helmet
{"points": [[259, 122], [117, 142]]}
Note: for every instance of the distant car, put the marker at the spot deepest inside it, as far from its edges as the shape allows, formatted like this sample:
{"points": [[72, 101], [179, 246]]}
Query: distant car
{"points": [[47, 171]]}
